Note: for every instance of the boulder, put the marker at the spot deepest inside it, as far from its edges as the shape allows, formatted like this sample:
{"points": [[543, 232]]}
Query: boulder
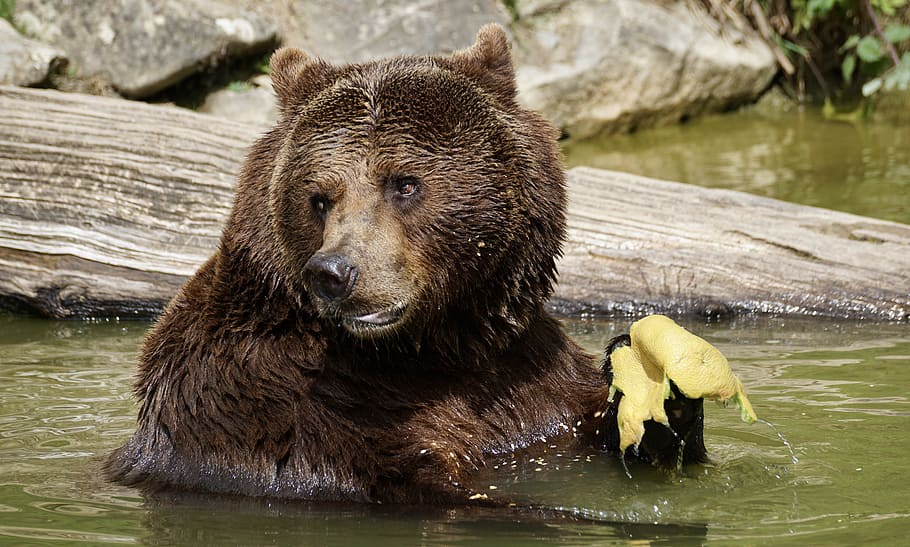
{"points": [[358, 30], [591, 66], [109, 205], [605, 66], [143, 46], [247, 102], [347, 32], [26, 62]]}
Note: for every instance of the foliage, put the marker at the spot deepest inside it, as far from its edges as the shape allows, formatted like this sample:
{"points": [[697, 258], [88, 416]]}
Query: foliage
{"points": [[262, 65], [238, 86], [7, 8], [842, 48], [897, 78], [512, 8]]}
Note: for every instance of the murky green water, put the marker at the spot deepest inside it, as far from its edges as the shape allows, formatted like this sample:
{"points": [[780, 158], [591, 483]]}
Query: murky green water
{"points": [[838, 391], [790, 154]]}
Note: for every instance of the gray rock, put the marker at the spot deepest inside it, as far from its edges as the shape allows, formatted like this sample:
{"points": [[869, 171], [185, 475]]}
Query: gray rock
{"points": [[531, 8], [347, 32], [358, 30], [26, 62], [592, 66], [252, 102], [143, 46], [598, 66]]}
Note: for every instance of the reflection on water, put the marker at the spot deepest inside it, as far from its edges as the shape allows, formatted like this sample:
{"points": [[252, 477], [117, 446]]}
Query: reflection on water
{"points": [[837, 391], [793, 155]]}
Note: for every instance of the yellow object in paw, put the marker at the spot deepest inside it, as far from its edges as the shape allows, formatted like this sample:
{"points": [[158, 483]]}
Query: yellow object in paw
{"points": [[661, 351]]}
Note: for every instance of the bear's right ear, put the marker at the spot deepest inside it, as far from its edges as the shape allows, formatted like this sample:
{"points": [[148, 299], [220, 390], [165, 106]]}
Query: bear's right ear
{"points": [[297, 77], [489, 62]]}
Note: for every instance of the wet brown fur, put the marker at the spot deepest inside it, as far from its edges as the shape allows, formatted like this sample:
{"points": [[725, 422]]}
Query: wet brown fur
{"points": [[250, 384]]}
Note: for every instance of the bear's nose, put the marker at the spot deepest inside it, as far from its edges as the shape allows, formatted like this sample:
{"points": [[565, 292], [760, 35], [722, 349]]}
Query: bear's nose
{"points": [[332, 276]]}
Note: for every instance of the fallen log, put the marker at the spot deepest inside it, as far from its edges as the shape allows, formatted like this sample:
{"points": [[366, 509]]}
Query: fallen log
{"points": [[107, 206], [639, 245]]}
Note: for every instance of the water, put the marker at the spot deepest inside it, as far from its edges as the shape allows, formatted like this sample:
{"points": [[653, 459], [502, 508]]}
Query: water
{"points": [[790, 154], [836, 390], [783, 439]]}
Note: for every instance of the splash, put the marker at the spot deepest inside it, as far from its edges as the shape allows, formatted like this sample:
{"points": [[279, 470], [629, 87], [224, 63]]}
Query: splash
{"points": [[783, 439]]}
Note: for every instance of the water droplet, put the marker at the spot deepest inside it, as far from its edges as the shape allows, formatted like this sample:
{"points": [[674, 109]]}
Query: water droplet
{"points": [[625, 468], [782, 439]]}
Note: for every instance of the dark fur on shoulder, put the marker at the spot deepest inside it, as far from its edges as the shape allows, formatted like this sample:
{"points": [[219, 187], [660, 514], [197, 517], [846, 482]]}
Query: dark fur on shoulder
{"points": [[372, 325]]}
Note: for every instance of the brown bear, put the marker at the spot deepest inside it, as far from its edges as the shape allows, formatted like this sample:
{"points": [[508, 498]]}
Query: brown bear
{"points": [[372, 326]]}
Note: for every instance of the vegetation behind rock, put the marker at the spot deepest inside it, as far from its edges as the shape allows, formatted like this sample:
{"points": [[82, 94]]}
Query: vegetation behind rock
{"points": [[834, 50]]}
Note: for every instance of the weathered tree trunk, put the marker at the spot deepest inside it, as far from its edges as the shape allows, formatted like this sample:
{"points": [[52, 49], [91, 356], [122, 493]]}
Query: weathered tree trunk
{"points": [[106, 206], [644, 245]]}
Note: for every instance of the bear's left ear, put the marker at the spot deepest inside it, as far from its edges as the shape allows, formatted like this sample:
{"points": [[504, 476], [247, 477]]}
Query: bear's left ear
{"points": [[489, 63], [297, 77]]}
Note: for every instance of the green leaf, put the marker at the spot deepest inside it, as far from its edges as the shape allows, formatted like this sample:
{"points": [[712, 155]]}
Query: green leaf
{"points": [[7, 9], [870, 87], [899, 78], [850, 43], [795, 48], [848, 66], [819, 8], [238, 86], [869, 49], [888, 7], [897, 33], [262, 65]]}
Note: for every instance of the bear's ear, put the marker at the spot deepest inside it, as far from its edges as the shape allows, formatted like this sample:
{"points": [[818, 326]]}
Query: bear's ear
{"points": [[489, 63], [297, 77]]}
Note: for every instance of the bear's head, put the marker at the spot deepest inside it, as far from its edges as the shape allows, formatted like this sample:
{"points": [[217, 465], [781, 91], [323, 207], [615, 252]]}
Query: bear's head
{"points": [[408, 193]]}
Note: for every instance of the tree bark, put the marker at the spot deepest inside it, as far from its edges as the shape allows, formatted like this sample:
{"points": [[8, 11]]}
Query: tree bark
{"points": [[107, 206], [640, 245]]}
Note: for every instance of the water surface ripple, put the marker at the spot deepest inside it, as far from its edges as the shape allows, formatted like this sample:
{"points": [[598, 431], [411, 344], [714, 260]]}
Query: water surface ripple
{"points": [[836, 390]]}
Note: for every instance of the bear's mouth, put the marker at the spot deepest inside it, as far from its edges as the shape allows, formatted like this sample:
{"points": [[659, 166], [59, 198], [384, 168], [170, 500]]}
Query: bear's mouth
{"points": [[376, 320]]}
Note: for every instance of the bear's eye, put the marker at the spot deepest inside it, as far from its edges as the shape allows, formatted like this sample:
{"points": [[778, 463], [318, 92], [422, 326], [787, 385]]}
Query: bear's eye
{"points": [[320, 204], [406, 186]]}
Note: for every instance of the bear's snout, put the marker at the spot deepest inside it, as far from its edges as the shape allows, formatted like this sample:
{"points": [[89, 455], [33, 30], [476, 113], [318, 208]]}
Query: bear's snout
{"points": [[332, 276]]}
